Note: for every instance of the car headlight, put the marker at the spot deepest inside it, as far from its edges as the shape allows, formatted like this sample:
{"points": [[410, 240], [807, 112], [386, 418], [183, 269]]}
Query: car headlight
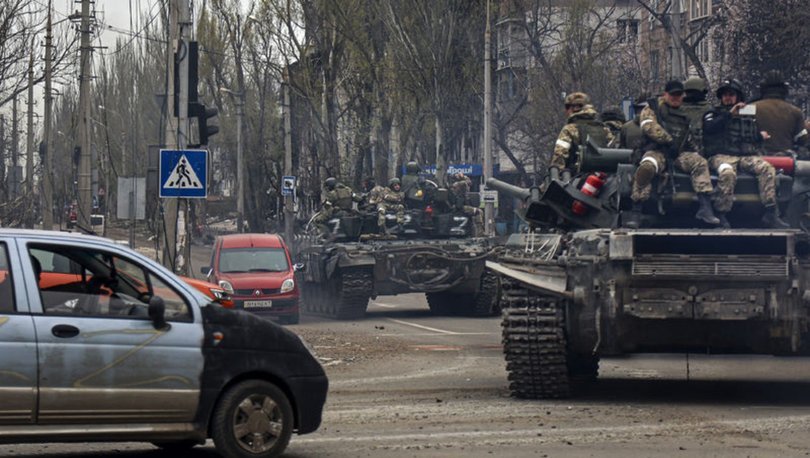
{"points": [[227, 286], [287, 285]]}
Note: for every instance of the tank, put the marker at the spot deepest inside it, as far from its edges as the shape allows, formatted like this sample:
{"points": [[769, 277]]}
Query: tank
{"points": [[577, 286], [434, 251]]}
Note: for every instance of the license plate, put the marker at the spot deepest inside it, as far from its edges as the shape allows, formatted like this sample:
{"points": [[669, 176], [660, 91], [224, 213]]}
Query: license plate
{"points": [[257, 304]]}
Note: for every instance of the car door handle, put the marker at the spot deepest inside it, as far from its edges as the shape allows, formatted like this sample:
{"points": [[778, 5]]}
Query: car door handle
{"points": [[65, 331]]}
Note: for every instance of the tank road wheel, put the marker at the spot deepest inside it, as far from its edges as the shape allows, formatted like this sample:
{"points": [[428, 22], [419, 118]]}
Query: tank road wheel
{"points": [[487, 301], [534, 345], [353, 289]]}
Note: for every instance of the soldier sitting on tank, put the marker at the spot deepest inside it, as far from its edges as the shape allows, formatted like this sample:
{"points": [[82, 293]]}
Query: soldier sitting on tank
{"points": [[461, 185], [338, 200], [695, 106], [613, 118], [581, 125], [667, 137], [731, 142], [372, 194], [392, 202], [781, 119]]}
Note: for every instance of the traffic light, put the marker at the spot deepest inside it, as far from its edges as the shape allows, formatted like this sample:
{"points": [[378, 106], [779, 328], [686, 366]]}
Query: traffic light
{"points": [[203, 114]]}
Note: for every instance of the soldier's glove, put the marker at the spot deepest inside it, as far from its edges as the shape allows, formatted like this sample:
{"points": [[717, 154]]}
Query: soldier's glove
{"points": [[565, 175], [554, 173]]}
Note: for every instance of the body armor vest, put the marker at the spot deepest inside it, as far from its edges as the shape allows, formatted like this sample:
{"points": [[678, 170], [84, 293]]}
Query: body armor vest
{"points": [[739, 138], [694, 112], [676, 123], [343, 197]]}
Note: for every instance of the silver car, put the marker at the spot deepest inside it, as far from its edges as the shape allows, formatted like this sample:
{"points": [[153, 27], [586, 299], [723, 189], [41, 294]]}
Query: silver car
{"points": [[98, 343]]}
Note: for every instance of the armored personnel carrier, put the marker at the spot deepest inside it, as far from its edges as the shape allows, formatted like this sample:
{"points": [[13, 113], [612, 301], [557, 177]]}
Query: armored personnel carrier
{"points": [[433, 251], [577, 286]]}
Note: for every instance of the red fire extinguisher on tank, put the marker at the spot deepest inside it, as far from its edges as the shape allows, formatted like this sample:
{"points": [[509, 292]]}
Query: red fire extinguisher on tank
{"points": [[591, 187]]}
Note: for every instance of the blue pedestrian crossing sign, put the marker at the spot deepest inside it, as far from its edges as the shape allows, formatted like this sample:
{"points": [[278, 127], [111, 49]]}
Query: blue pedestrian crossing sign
{"points": [[184, 173]]}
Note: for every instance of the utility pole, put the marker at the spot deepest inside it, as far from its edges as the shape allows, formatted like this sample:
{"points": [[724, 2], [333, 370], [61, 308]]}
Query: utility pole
{"points": [[28, 218], [240, 163], [289, 201], [169, 206], [85, 156], [489, 207], [47, 177]]}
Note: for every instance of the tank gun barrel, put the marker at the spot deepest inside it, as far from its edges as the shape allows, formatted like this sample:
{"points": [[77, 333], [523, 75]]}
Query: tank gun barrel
{"points": [[509, 189]]}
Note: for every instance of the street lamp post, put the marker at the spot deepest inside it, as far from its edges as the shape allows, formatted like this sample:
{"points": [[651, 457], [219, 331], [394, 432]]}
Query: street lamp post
{"points": [[239, 100]]}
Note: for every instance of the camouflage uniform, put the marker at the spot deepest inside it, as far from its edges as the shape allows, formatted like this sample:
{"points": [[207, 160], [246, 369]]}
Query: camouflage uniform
{"points": [[460, 187], [337, 199], [392, 202], [727, 166], [687, 159], [570, 138], [614, 120]]}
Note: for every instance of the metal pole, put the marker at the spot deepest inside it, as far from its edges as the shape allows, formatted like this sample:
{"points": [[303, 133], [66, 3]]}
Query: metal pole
{"points": [[47, 177], [183, 230], [240, 166], [28, 219], [489, 207], [289, 201], [85, 158]]}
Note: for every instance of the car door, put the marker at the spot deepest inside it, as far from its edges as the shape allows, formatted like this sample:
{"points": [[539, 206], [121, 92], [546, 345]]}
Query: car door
{"points": [[101, 360], [18, 351]]}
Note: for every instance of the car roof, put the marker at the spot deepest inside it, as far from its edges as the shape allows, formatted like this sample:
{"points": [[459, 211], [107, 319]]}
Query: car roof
{"points": [[76, 236], [251, 241]]}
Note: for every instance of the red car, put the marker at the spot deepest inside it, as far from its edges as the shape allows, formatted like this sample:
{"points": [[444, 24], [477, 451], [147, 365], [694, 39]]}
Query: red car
{"points": [[256, 270]]}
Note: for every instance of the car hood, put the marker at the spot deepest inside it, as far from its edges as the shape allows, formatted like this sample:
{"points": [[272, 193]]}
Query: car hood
{"points": [[243, 331], [250, 280]]}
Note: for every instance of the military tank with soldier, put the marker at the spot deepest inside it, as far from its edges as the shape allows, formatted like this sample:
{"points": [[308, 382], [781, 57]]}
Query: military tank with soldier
{"points": [[392, 244], [579, 285]]}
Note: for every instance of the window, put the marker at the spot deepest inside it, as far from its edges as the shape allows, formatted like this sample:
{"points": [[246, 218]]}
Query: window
{"points": [[80, 281], [238, 260], [700, 9], [7, 304], [627, 30]]}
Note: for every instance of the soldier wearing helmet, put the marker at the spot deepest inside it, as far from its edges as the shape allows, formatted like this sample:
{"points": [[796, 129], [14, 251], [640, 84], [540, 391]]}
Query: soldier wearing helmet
{"points": [[732, 141], [666, 129], [695, 106], [581, 124], [782, 120], [391, 202], [338, 199]]}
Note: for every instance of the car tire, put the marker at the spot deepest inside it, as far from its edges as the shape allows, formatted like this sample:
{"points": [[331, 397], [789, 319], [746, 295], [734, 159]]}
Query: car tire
{"points": [[242, 425], [177, 447]]}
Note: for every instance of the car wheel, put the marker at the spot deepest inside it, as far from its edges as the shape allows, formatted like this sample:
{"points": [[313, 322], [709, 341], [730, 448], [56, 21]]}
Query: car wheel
{"points": [[177, 446], [253, 419]]}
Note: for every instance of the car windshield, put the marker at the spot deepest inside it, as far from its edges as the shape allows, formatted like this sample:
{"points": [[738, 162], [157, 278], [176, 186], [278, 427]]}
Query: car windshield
{"points": [[238, 260]]}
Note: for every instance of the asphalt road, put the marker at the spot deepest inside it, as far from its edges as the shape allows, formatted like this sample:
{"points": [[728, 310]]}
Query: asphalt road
{"points": [[407, 384]]}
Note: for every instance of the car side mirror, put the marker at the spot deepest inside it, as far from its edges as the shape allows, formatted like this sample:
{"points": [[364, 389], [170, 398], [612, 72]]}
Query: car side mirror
{"points": [[206, 270], [299, 267], [157, 313]]}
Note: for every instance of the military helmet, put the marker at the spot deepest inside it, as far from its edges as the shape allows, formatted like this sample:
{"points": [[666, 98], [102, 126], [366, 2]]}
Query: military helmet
{"points": [[412, 167], [330, 183], [773, 78], [641, 101], [577, 98], [612, 113], [695, 83], [731, 85], [393, 181]]}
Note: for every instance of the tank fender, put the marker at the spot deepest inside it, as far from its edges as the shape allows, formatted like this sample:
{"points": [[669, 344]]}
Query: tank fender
{"points": [[552, 280]]}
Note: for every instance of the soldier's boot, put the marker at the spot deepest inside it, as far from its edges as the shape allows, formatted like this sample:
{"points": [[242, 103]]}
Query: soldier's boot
{"points": [[705, 212], [723, 220], [632, 218], [772, 219]]}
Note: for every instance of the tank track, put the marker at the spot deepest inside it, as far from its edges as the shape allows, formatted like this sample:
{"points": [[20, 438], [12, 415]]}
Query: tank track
{"points": [[483, 304], [534, 344], [343, 297], [486, 302]]}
